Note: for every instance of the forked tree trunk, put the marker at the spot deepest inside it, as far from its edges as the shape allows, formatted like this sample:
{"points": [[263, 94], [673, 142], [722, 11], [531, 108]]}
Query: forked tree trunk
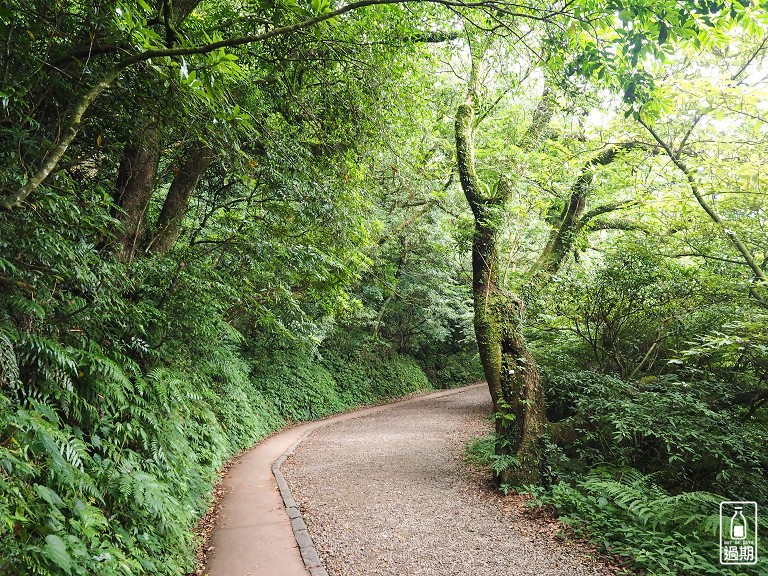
{"points": [[512, 374], [573, 221], [196, 161], [138, 165], [135, 184]]}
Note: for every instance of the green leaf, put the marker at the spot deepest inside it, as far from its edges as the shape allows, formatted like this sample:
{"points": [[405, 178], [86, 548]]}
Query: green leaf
{"points": [[663, 33], [48, 495], [56, 550]]}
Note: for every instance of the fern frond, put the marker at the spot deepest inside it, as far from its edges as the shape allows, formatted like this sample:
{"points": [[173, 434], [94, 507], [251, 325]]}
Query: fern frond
{"points": [[9, 365]]}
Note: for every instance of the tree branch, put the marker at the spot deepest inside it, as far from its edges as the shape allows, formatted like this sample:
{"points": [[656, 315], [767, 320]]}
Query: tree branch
{"points": [[433, 37], [74, 121], [616, 224], [87, 51], [15, 283], [541, 118], [73, 127], [732, 236], [407, 222], [688, 133], [606, 209], [709, 257], [562, 238]]}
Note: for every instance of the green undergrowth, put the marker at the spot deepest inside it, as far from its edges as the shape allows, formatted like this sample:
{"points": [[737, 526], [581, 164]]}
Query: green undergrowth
{"points": [[304, 389], [645, 467], [108, 469], [482, 451], [460, 367], [626, 514]]}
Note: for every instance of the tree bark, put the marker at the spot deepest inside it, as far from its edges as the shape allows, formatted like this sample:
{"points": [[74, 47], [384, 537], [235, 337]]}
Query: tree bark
{"points": [[512, 374], [135, 184], [196, 161]]}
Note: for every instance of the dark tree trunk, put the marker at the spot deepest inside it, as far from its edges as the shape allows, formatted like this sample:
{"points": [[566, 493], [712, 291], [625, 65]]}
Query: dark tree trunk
{"points": [[135, 184], [138, 165], [512, 374], [511, 371], [196, 161]]}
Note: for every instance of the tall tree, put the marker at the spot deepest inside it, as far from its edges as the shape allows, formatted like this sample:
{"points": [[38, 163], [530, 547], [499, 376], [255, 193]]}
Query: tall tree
{"points": [[196, 160], [500, 309]]}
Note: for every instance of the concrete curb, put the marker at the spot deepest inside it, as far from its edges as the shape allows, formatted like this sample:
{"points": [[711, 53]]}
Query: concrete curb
{"points": [[304, 540], [307, 547]]}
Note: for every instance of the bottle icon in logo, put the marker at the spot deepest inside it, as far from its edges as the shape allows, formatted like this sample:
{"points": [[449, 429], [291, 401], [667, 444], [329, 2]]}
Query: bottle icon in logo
{"points": [[738, 525]]}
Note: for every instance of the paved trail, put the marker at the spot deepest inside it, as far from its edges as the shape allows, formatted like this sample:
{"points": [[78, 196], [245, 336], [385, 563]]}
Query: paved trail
{"points": [[388, 494], [253, 534]]}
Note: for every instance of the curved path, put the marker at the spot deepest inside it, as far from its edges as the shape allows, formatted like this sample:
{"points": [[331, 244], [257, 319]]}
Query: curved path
{"points": [[383, 491], [253, 535], [388, 494]]}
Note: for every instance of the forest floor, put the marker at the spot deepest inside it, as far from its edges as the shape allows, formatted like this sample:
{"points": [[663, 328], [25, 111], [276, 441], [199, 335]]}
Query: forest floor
{"points": [[389, 494]]}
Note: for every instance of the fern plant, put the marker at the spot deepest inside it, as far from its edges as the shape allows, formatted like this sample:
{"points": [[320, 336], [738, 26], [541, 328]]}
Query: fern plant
{"points": [[627, 514]]}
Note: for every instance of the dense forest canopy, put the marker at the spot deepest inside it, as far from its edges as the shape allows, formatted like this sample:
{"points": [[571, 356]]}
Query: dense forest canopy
{"points": [[222, 217]]}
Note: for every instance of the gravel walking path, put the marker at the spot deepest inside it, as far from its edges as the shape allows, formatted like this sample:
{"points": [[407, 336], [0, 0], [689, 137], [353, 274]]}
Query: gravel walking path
{"points": [[389, 494]]}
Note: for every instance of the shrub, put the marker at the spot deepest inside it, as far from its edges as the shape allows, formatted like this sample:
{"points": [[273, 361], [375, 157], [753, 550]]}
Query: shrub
{"points": [[304, 389], [458, 368], [482, 451], [685, 433], [298, 388], [625, 513]]}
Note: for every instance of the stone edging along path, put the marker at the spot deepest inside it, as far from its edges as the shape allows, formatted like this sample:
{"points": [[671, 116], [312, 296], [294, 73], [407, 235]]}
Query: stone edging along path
{"points": [[391, 495], [304, 540], [259, 524]]}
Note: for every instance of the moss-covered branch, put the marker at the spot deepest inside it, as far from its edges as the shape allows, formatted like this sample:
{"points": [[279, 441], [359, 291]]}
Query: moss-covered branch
{"points": [[573, 220], [708, 208]]}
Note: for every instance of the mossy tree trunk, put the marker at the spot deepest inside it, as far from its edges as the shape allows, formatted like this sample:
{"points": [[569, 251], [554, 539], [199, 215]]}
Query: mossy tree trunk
{"points": [[573, 221], [512, 374], [510, 369]]}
